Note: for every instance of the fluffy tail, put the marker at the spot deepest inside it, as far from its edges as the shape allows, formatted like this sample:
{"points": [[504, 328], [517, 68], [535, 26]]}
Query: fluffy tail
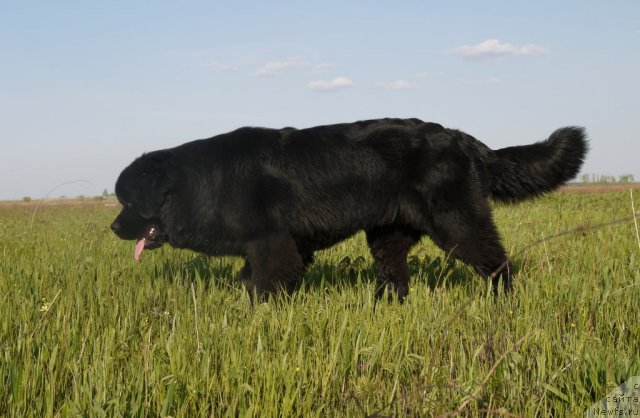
{"points": [[526, 171]]}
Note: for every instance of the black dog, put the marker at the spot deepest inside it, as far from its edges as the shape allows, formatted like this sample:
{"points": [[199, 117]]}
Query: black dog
{"points": [[276, 196]]}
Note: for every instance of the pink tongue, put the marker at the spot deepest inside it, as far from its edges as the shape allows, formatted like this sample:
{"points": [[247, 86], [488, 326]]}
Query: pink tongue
{"points": [[138, 250]]}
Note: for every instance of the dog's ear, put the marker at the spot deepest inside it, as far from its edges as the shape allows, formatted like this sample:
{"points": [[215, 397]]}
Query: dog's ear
{"points": [[157, 181], [147, 182]]}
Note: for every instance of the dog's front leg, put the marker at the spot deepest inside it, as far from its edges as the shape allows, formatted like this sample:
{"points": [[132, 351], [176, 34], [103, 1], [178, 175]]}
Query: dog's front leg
{"points": [[273, 265]]}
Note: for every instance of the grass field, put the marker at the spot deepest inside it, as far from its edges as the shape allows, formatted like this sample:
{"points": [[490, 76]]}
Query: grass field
{"points": [[86, 331]]}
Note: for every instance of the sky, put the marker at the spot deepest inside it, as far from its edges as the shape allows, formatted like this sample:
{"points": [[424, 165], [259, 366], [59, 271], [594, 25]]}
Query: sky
{"points": [[86, 87]]}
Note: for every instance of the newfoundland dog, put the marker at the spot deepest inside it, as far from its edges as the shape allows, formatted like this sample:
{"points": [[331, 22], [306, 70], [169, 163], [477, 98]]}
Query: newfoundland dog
{"points": [[274, 196]]}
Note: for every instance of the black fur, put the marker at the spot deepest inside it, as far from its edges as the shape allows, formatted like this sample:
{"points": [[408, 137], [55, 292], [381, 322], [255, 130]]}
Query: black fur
{"points": [[276, 196]]}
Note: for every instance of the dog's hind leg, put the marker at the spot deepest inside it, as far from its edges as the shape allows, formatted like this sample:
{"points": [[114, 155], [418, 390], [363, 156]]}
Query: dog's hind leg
{"points": [[273, 265], [469, 234], [390, 246]]}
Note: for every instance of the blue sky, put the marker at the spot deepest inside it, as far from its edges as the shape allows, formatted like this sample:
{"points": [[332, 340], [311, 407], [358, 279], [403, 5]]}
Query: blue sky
{"points": [[85, 87]]}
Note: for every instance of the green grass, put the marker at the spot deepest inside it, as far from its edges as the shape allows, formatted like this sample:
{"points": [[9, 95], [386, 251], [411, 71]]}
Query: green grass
{"points": [[86, 331]]}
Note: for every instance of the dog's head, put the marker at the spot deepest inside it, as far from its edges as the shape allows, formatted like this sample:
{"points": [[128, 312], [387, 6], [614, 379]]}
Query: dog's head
{"points": [[143, 189]]}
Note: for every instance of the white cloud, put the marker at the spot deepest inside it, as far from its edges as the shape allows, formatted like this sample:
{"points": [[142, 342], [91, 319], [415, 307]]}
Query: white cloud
{"points": [[395, 85], [322, 68], [278, 68], [493, 48], [330, 85]]}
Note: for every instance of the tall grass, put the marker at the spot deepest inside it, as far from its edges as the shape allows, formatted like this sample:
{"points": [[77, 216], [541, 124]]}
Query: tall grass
{"points": [[86, 331]]}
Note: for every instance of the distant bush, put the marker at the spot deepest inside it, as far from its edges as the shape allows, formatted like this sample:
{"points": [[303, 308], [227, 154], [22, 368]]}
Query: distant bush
{"points": [[626, 178], [604, 179], [26, 199]]}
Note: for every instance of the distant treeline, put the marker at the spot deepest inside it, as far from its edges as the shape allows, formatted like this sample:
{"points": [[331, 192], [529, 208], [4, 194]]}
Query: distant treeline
{"points": [[600, 179]]}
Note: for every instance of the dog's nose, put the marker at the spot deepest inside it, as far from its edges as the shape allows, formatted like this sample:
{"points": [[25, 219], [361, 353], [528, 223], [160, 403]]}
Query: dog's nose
{"points": [[115, 226]]}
